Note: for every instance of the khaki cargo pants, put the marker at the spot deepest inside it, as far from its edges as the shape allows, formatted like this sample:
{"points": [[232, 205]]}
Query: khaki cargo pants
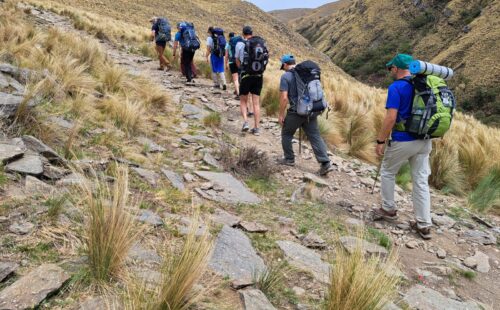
{"points": [[417, 153]]}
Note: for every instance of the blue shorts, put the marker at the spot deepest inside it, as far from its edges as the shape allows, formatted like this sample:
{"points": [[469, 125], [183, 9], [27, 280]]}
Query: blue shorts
{"points": [[217, 63]]}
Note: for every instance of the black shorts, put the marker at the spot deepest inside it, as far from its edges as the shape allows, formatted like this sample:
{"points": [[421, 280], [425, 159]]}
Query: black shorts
{"points": [[233, 68], [161, 43], [251, 84]]}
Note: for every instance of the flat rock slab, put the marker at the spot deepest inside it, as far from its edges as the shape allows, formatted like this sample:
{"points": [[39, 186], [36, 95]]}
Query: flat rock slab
{"points": [[313, 241], [39, 147], [210, 160], [234, 256], [148, 175], [309, 177], [443, 221], [9, 152], [234, 191], [225, 218], [306, 259], [480, 237], [421, 297], [34, 185], [253, 227], [192, 112], [174, 179], [28, 164], [196, 139], [150, 145], [479, 261], [101, 303], [23, 228], [139, 254], [31, 289], [255, 300], [73, 179], [351, 243], [149, 217], [6, 269]]}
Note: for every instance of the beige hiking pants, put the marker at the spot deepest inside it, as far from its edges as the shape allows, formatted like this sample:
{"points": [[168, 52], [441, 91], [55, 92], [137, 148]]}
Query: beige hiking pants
{"points": [[417, 153]]}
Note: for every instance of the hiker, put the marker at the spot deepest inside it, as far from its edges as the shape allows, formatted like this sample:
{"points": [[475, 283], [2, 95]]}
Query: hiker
{"points": [[401, 146], [161, 34], [252, 57], [289, 95], [216, 50], [231, 62], [189, 42], [177, 39]]}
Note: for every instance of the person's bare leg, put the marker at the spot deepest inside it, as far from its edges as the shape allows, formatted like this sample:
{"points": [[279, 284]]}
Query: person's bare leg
{"points": [[243, 107], [256, 110], [236, 83]]}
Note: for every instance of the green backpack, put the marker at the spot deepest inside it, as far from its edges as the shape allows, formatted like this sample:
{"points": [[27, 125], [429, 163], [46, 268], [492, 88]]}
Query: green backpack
{"points": [[432, 108]]}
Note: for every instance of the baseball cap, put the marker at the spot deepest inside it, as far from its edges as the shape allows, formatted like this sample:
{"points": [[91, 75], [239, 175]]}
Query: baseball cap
{"points": [[153, 19], [231, 35], [247, 30], [401, 61], [287, 59]]}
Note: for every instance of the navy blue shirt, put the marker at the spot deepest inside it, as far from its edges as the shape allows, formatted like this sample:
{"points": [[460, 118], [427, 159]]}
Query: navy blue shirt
{"points": [[400, 97]]}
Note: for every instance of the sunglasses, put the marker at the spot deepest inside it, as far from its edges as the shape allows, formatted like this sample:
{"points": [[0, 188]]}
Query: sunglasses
{"points": [[390, 68]]}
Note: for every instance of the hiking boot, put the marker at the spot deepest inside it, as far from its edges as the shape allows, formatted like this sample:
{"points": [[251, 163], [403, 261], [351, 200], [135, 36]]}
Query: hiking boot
{"points": [[249, 114], [160, 68], [381, 214], [237, 97], [255, 131], [224, 87], [216, 86], [424, 232], [286, 162], [245, 127], [325, 169]]}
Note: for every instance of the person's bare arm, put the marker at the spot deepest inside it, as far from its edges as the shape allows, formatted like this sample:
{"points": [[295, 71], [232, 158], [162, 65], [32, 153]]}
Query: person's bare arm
{"points": [[153, 33], [209, 50], [387, 125], [174, 52], [283, 105]]}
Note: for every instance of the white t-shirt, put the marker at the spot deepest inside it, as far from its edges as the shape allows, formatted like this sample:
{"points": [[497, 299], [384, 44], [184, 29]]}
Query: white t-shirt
{"points": [[240, 51]]}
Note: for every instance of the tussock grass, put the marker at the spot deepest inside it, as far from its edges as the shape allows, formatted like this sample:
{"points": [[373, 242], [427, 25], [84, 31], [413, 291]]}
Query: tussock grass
{"points": [[269, 280], [486, 196], [110, 230], [271, 96], [248, 162], [180, 272], [212, 120], [127, 115], [358, 283], [112, 78]]}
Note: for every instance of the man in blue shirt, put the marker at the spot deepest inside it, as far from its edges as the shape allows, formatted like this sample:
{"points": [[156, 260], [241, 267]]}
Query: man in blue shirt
{"points": [[403, 147]]}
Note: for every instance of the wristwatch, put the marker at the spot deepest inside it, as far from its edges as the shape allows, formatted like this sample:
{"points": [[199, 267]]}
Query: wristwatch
{"points": [[380, 142]]}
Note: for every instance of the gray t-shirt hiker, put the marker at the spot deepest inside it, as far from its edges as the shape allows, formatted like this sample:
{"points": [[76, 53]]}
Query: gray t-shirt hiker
{"points": [[288, 84]]}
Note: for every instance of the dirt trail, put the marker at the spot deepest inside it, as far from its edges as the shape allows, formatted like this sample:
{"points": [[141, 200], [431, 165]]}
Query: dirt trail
{"points": [[347, 194]]}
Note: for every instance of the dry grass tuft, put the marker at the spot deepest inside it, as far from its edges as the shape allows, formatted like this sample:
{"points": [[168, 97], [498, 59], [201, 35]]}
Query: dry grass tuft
{"points": [[110, 230], [247, 161], [212, 120], [359, 283], [128, 115], [180, 272]]}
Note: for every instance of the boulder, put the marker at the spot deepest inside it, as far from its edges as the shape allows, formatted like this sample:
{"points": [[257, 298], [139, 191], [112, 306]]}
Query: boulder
{"points": [[350, 243], [210, 160], [480, 237], [233, 191], [421, 297], [21, 228], [174, 179], [150, 146], [34, 185], [31, 289], [148, 175], [27, 165], [253, 227], [6, 269], [10, 152], [313, 241], [149, 217], [39, 147], [225, 218]]}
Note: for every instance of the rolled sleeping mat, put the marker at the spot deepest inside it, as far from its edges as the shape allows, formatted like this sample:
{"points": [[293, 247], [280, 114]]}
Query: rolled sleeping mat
{"points": [[422, 67]]}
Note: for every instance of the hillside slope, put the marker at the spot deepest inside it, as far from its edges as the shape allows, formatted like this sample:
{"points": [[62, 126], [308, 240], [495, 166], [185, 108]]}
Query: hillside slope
{"points": [[287, 15], [458, 33]]}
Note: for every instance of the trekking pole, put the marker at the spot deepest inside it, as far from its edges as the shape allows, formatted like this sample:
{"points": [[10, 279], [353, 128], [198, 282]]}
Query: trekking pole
{"points": [[376, 177], [300, 141]]}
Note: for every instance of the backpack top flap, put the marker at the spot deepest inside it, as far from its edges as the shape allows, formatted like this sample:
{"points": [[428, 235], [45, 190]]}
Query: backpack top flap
{"points": [[308, 71]]}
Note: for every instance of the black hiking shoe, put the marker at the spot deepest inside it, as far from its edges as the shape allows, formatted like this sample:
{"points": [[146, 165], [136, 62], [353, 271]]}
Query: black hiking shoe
{"points": [[381, 214], [224, 87], [249, 114], [286, 162], [325, 169], [255, 131], [245, 127], [237, 97]]}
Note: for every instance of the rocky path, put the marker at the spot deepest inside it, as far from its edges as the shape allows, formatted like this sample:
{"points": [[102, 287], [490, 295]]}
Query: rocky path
{"points": [[432, 270]]}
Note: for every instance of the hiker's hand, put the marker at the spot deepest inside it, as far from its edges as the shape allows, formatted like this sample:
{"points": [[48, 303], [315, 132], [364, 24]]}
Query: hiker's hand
{"points": [[380, 149], [281, 120]]}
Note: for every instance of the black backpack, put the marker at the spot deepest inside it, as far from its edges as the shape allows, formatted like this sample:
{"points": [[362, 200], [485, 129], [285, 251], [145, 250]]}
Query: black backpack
{"points": [[219, 40], [164, 30], [189, 39], [256, 56], [312, 101]]}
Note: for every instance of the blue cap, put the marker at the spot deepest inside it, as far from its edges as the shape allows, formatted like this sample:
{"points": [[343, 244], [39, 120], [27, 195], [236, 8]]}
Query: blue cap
{"points": [[287, 59]]}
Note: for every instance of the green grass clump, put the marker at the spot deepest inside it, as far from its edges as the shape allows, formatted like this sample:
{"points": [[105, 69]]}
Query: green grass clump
{"points": [[486, 196], [260, 185], [270, 280], [55, 205], [3, 177], [212, 120], [470, 275], [271, 101], [378, 236]]}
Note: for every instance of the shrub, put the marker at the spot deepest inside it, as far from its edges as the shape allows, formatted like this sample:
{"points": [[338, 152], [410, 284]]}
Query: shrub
{"points": [[486, 196], [248, 161], [212, 120], [358, 283]]}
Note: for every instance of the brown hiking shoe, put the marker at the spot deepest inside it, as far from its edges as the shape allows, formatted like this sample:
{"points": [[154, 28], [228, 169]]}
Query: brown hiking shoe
{"points": [[381, 214], [424, 232]]}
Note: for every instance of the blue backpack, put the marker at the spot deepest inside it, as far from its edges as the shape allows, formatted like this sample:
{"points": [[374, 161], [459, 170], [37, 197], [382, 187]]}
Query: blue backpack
{"points": [[164, 30], [189, 39], [219, 40], [232, 44]]}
